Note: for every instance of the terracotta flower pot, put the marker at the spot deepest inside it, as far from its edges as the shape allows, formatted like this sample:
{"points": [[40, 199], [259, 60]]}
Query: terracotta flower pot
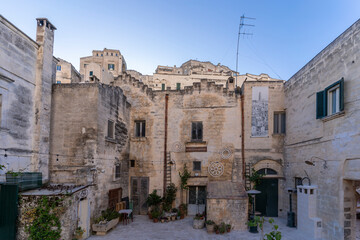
{"points": [[155, 220], [182, 217]]}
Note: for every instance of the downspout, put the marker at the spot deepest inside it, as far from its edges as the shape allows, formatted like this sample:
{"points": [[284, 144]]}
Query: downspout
{"points": [[243, 132], [165, 139], [242, 136]]}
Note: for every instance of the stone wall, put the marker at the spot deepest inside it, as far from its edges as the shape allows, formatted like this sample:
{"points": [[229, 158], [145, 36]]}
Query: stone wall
{"points": [[26, 75], [327, 142], [81, 151]]}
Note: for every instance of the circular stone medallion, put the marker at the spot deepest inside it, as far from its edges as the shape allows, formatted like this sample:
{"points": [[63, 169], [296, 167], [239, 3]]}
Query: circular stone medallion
{"points": [[216, 169]]}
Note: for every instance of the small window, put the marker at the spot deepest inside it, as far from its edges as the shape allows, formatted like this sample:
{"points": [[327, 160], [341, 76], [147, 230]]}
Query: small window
{"points": [[197, 166], [91, 73], [58, 68], [110, 130], [196, 131], [267, 171], [163, 86], [58, 82], [178, 85], [330, 100], [279, 123], [101, 54], [140, 128], [97, 54], [117, 171], [111, 54], [116, 54], [107, 54], [132, 163], [111, 67]]}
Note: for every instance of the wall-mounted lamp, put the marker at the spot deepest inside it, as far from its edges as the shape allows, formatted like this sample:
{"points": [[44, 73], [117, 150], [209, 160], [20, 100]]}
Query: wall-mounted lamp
{"points": [[311, 162]]}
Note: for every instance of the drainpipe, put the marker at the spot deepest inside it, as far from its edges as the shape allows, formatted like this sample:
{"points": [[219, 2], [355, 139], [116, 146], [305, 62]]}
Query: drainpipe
{"points": [[243, 132], [242, 136], [165, 139]]}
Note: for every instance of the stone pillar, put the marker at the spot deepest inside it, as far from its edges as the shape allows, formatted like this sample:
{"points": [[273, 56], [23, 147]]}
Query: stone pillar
{"points": [[45, 69], [307, 222]]}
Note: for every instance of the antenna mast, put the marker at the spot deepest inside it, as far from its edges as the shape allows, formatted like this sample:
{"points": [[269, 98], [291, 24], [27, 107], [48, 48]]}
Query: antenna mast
{"points": [[242, 19]]}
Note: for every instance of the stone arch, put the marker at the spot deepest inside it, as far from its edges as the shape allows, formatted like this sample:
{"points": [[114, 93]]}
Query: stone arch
{"points": [[274, 165]]}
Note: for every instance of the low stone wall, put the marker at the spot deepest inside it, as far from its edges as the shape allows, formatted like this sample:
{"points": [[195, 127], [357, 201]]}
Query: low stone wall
{"points": [[229, 211], [66, 210]]}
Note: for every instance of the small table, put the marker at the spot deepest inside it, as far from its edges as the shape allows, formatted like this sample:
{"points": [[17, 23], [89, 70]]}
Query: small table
{"points": [[126, 213]]}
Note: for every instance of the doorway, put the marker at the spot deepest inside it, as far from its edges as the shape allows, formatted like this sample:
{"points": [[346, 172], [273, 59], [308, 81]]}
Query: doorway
{"points": [[84, 217], [139, 194], [197, 199], [267, 201]]}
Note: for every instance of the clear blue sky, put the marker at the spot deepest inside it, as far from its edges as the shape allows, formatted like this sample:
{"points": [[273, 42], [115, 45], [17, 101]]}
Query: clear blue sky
{"points": [[150, 33]]}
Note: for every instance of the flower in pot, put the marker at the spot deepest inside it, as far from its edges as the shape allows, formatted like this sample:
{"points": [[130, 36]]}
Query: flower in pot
{"points": [[228, 227], [199, 221], [210, 226], [155, 215]]}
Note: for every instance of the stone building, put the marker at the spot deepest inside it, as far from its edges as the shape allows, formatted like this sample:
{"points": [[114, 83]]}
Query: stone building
{"points": [[322, 138], [27, 71], [66, 72], [104, 65], [89, 132]]}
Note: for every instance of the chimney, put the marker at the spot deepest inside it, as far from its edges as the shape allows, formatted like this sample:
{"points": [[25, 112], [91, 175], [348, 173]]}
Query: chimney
{"points": [[45, 77]]}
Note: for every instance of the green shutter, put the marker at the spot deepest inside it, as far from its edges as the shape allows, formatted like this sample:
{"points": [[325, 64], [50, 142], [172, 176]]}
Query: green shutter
{"points": [[341, 105], [320, 105]]}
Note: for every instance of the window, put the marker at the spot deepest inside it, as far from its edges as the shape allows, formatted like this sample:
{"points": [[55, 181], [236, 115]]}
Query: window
{"points": [[132, 163], [279, 122], [58, 82], [298, 182], [101, 54], [111, 54], [58, 68], [267, 171], [116, 54], [197, 166], [111, 67], [107, 54], [110, 130], [178, 85], [140, 128], [97, 54], [117, 171], [330, 100], [91, 73], [163, 86], [196, 131]]}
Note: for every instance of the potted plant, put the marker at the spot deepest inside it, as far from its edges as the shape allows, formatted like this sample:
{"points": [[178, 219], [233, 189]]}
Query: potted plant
{"points": [[78, 233], [108, 220], [216, 229], [222, 228], [210, 226], [183, 210], [228, 227], [199, 221], [155, 213], [174, 214], [254, 223], [153, 200], [178, 216]]}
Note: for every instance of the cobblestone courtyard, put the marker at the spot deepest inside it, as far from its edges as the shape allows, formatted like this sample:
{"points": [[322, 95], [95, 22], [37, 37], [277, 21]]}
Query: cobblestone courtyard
{"points": [[142, 228]]}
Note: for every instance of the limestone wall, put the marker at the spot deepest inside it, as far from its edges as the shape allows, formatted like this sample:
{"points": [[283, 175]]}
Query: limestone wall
{"points": [[330, 141], [81, 151]]}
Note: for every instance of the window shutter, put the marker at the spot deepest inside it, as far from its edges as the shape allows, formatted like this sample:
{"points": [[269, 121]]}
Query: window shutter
{"points": [[320, 104], [341, 105]]}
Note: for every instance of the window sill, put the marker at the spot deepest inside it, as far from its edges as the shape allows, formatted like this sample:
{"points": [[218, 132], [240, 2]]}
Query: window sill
{"points": [[196, 143], [278, 134], [333, 116], [112, 140], [259, 136], [138, 139]]}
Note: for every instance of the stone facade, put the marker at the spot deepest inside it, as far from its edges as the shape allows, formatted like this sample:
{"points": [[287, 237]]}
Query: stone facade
{"points": [[82, 150], [27, 71], [66, 72], [108, 60], [330, 143]]}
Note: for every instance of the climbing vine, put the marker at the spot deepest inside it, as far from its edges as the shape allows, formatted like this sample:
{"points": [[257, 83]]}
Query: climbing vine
{"points": [[184, 176], [255, 177], [44, 220]]}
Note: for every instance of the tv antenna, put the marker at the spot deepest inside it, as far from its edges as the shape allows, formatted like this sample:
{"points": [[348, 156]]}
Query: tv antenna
{"points": [[243, 33]]}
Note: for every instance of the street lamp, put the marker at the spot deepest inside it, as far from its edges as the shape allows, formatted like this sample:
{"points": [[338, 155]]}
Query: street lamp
{"points": [[291, 214], [253, 192]]}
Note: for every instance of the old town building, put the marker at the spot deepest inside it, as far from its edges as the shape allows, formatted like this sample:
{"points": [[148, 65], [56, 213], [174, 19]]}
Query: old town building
{"points": [[111, 134]]}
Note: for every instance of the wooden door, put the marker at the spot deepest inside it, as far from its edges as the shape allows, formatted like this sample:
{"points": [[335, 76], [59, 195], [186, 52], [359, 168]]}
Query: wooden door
{"points": [[139, 194], [115, 196], [267, 201]]}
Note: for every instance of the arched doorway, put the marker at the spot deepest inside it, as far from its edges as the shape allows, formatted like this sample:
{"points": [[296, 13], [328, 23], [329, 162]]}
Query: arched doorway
{"points": [[268, 202]]}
